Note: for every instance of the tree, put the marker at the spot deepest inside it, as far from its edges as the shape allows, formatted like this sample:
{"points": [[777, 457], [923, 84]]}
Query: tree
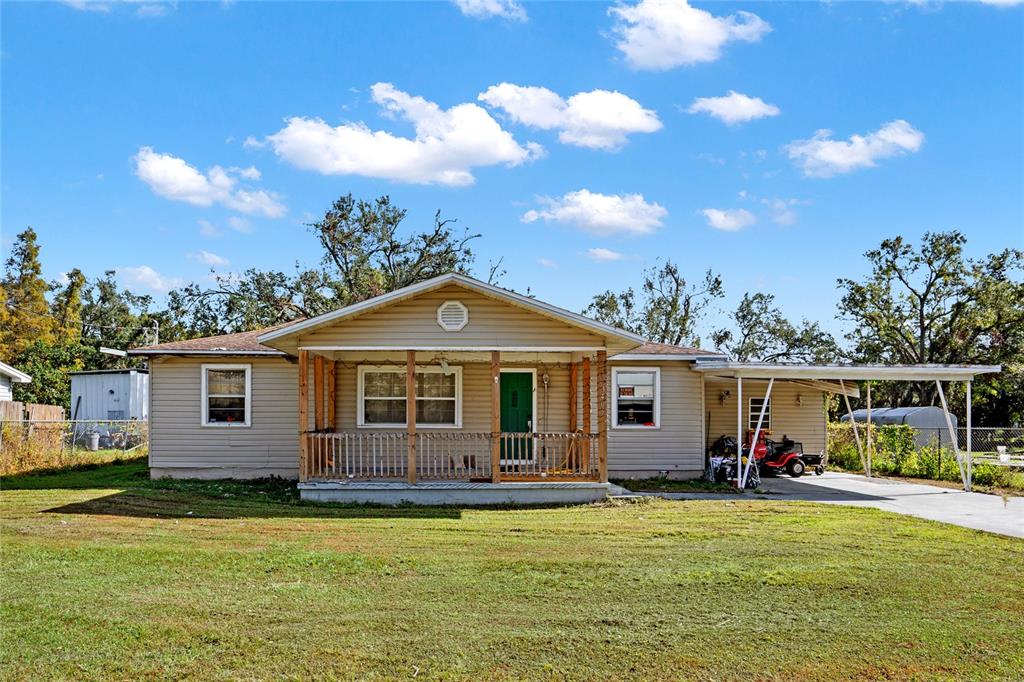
{"points": [[363, 256], [49, 364], [28, 313], [764, 334], [669, 308], [117, 318], [933, 305], [67, 307]]}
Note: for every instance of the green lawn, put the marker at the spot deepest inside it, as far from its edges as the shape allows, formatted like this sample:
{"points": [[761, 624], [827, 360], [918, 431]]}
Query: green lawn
{"points": [[106, 575]]}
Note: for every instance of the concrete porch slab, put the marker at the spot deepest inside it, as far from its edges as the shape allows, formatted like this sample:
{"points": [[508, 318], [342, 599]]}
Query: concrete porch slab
{"points": [[453, 492]]}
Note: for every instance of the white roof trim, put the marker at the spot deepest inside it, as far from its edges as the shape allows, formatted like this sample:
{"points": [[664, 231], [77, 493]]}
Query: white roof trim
{"points": [[469, 283], [221, 351], [640, 357], [16, 376], [768, 370]]}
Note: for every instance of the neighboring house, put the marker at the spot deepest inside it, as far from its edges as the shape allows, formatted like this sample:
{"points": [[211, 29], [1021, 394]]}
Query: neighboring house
{"points": [[8, 377], [110, 394], [542, 403]]}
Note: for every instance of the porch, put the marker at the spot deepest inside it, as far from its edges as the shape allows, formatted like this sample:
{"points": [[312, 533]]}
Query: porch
{"points": [[547, 411]]}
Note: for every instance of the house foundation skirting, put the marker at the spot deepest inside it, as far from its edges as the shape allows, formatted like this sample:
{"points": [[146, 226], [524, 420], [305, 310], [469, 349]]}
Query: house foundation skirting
{"points": [[453, 493]]}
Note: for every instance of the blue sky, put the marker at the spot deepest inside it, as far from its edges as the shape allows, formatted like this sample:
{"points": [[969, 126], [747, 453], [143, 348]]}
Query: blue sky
{"points": [[124, 129]]}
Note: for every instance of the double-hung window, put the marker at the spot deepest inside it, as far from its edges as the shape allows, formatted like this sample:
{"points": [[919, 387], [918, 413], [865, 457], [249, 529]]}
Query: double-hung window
{"points": [[382, 397], [636, 397], [754, 412], [227, 395]]}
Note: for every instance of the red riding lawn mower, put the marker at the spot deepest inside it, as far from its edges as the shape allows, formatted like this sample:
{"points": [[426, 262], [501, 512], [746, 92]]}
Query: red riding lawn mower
{"points": [[773, 457]]}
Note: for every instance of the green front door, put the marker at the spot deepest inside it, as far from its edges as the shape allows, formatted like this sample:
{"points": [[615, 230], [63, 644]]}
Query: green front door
{"points": [[516, 414]]}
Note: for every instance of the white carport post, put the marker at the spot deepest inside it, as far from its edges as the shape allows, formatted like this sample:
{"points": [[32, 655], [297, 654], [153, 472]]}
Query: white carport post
{"points": [[952, 436], [867, 469], [757, 432], [970, 455], [739, 430], [853, 423]]}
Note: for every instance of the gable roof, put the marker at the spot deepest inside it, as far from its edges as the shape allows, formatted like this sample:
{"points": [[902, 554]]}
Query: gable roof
{"points": [[242, 343], [667, 351], [16, 376], [476, 285]]}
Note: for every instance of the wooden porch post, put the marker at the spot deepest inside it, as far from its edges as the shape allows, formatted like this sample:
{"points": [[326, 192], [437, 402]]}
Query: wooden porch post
{"points": [[602, 414], [303, 412], [318, 392], [574, 379], [332, 391], [495, 416], [586, 395], [410, 410]]}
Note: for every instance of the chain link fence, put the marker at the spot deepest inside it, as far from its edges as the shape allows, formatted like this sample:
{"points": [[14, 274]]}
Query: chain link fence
{"points": [[30, 444]]}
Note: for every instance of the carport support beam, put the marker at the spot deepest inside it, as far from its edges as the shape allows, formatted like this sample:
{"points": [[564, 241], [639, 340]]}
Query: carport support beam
{"points": [[739, 430], [970, 454], [867, 468], [757, 432], [952, 436]]}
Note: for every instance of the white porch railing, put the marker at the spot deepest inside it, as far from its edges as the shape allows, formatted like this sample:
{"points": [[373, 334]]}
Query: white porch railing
{"points": [[450, 455]]}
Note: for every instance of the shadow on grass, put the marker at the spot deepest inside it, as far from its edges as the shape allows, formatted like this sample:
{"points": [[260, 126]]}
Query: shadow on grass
{"points": [[162, 504], [134, 494]]}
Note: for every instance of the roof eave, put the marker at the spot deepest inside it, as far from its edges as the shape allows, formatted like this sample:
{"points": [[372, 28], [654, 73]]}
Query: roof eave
{"points": [[848, 372], [167, 351]]}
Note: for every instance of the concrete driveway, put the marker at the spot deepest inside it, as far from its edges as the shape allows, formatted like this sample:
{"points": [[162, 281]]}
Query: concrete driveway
{"points": [[970, 510]]}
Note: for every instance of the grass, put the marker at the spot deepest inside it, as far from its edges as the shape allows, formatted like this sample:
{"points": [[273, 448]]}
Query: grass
{"points": [[107, 575]]}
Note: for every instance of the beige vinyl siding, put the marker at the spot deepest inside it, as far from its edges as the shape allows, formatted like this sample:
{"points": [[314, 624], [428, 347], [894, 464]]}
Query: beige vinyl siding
{"points": [[676, 447], [803, 423], [492, 323], [179, 446]]}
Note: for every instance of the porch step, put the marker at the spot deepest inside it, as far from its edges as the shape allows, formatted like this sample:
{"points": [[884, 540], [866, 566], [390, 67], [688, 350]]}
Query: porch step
{"points": [[453, 492]]}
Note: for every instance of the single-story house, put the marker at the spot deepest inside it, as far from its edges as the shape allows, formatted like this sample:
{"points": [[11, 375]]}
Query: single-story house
{"points": [[515, 400], [8, 377]]}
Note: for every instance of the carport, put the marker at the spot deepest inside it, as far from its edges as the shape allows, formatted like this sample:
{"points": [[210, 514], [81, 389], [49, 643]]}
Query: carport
{"points": [[770, 372]]}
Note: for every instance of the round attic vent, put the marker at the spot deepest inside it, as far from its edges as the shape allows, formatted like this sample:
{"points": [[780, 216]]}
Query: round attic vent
{"points": [[452, 316]]}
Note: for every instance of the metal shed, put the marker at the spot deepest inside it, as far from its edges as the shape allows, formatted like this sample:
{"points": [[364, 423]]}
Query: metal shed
{"points": [[110, 394], [928, 423]]}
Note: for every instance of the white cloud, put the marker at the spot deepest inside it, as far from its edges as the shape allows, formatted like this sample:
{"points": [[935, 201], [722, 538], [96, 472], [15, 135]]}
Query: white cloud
{"points": [[173, 178], [599, 119], [729, 219], [782, 210], [1002, 3], [601, 214], [663, 34], [447, 146], [823, 157], [734, 108], [143, 8], [145, 277], [251, 142], [546, 263], [602, 254], [208, 229], [239, 224], [250, 173], [88, 5], [485, 9], [207, 258]]}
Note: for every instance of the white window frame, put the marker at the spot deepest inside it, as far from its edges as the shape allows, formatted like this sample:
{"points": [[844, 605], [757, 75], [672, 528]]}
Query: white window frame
{"points": [[400, 369], [615, 398], [204, 411], [754, 412]]}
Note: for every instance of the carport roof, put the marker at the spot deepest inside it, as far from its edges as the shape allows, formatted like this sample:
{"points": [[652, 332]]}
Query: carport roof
{"points": [[769, 370]]}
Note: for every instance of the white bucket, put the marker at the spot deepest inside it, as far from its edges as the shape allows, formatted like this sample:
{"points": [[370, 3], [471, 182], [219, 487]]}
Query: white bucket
{"points": [[93, 442], [1004, 456]]}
